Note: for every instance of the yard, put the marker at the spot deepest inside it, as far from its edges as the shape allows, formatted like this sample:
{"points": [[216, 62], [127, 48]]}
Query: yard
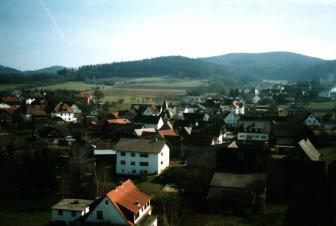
{"points": [[28, 211]]}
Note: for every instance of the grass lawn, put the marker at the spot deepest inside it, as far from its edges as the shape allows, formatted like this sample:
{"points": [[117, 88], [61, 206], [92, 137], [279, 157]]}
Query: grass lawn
{"points": [[321, 105], [26, 211]]}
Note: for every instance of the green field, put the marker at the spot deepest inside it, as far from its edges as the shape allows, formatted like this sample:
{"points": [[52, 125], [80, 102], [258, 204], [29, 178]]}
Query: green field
{"points": [[78, 86], [320, 106]]}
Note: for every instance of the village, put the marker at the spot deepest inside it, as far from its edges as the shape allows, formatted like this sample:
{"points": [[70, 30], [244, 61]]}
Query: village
{"points": [[162, 163]]}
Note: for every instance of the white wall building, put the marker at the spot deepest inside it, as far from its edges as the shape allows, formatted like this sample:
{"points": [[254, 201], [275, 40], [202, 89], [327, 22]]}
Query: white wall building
{"points": [[141, 156], [124, 205], [69, 210], [312, 121]]}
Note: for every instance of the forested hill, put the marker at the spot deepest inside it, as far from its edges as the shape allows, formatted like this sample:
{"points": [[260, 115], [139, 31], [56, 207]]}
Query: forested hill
{"points": [[8, 70], [175, 66], [325, 70], [270, 65]]}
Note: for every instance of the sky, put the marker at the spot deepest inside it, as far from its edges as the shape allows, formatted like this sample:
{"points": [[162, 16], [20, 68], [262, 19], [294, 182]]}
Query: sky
{"points": [[39, 33]]}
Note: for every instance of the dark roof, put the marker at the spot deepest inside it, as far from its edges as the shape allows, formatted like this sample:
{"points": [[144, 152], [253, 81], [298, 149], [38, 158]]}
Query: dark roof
{"points": [[140, 145], [241, 181], [147, 119], [72, 204]]}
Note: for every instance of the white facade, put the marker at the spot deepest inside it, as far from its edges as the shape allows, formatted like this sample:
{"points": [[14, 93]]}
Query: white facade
{"points": [[4, 105], [250, 136], [311, 121], [106, 212], [66, 116], [231, 119], [67, 216], [138, 163]]}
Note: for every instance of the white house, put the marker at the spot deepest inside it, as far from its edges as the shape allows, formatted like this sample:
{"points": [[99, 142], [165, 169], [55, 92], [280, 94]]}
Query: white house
{"points": [[312, 121], [231, 119], [69, 210], [76, 109], [141, 156], [64, 111], [124, 205]]}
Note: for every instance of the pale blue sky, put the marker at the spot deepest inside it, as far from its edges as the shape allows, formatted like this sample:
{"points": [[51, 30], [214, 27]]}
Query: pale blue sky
{"points": [[41, 33]]}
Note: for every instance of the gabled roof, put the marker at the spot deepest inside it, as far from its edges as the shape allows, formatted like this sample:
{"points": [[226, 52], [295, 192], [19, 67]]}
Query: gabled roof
{"points": [[147, 119], [63, 107], [83, 95], [240, 181], [310, 150], [72, 204], [128, 196], [140, 145]]}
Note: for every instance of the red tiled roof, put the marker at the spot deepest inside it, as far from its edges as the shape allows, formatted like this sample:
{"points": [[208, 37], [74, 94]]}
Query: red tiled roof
{"points": [[115, 114], [118, 121], [63, 107], [128, 196], [103, 145], [9, 99], [83, 95], [167, 132]]}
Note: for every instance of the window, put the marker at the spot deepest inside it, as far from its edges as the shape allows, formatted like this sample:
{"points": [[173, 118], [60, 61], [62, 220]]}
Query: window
{"points": [[144, 155], [123, 153], [99, 215], [161, 162], [133, 154], [161, 153], [73, 213], [132, 163], [60, 212], [143, 163], [122, 162], [106, 202], [133, 171]]}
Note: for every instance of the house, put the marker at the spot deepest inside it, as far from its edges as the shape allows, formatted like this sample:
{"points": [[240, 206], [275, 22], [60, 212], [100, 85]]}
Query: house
{"points": [[11, 101], [85, 97], [124, 205], [37, 113], [64, 111], [230, 119], [311, 120], [253, 129], [141, 156], [76, 109], [104, 153], [235, 191], [155, 122], [152, 110], [69, 210]]}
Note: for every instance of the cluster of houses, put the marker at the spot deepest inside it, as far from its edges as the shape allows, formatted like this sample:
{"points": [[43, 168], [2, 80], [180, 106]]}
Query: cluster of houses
{"points": [[253, 152]]}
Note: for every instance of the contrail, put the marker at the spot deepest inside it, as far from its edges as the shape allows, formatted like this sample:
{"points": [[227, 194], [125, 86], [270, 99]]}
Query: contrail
{"points": [[52, 18]]}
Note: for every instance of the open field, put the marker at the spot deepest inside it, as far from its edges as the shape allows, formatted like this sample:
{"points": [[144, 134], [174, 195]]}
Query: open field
{"points": [[321, 106], [79, 86]]}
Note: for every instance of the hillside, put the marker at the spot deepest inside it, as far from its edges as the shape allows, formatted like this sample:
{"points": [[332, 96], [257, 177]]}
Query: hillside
{"points": [[174, 66], [325, 70], [49, 70], [8, 70], [270, 65]]}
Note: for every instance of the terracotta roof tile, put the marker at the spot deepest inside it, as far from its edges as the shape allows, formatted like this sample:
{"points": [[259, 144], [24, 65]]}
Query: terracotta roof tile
{"points": [[118, 121], [128, 196]]}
